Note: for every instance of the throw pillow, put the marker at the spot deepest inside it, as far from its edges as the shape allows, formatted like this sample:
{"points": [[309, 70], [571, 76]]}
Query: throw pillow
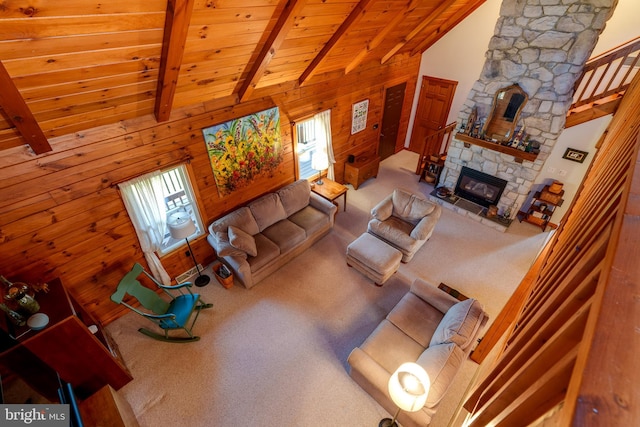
{"points": [[459, 324], [242, 240], [441, 362]]}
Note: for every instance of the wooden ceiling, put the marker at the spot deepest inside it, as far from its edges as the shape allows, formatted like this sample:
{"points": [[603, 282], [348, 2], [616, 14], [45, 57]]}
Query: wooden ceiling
{"points": [[70, 65]]}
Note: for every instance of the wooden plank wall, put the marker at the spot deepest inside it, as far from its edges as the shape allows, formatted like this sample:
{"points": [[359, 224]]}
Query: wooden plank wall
{"points": [[62, 215], [570, 357]]}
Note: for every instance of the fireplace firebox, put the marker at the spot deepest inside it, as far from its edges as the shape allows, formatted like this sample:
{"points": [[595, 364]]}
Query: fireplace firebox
{"points": [[479, 187]]}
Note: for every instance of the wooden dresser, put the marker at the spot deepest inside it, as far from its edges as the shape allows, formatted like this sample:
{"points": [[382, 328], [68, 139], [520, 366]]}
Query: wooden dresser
{"points": [[363, 168]]}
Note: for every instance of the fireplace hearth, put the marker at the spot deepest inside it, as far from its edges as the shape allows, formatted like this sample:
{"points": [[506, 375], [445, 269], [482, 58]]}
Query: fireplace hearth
{"points": [[479, 187], [475, 191]]}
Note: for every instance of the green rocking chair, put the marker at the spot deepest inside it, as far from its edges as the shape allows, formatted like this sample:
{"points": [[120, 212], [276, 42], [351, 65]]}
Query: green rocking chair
{"points": [[167, 315]]}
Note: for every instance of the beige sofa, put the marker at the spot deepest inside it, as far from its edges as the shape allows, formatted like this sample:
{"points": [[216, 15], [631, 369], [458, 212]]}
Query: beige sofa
{"points": [[257, 239], [427, 326], [405, 221]]}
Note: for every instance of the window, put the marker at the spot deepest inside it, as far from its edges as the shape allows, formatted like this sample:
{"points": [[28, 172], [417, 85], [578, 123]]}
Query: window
{"points": [[313, 138], [152, 199], [306, 145]]}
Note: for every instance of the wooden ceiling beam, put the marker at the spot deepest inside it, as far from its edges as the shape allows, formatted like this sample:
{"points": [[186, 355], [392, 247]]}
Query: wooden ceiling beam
{"points": [[356, 14], [285, 22], [176, 27], [379, 38], [418, 29], [17, 111], [461, 14]]}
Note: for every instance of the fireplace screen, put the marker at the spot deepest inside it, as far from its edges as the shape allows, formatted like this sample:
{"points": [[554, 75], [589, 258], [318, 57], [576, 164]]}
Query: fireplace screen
{"points": [[479, 187]]}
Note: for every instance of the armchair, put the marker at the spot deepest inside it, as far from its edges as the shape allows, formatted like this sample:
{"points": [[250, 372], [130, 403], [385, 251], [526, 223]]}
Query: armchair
{"points": [[405, 221], [167, 315]]}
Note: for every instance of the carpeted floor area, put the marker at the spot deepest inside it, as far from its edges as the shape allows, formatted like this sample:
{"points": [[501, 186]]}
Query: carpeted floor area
{"points": [[276, 355]]}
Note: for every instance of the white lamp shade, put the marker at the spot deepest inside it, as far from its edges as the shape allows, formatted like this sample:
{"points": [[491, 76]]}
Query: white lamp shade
{"points": [[319, 161], [409, 387], [181, 226]]}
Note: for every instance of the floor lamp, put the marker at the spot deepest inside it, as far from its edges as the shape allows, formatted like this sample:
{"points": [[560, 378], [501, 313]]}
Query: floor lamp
{"points": [[408, 388], [181, 226]]}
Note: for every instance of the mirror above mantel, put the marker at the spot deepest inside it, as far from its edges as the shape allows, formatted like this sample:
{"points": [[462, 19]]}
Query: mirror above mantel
{"points": [[505, 111]]}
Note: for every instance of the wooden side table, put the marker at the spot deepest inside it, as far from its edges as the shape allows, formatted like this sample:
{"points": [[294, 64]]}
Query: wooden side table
{"points": [[330, 190]]}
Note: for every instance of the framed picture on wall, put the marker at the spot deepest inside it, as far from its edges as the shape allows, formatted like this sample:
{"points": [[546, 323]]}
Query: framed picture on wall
{"points": [[359, 117], [575, 155]]}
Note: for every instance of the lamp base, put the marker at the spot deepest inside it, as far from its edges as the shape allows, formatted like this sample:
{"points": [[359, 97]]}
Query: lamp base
{"points": [[387, 422], [319, 181], [202, 280]]}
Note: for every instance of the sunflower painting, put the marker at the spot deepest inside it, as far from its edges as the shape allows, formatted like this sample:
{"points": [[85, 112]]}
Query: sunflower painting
{"points": [[244, 149]]}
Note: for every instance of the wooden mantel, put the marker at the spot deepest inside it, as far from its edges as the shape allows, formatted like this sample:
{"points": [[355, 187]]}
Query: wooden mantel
{"points": [[518, 154]]}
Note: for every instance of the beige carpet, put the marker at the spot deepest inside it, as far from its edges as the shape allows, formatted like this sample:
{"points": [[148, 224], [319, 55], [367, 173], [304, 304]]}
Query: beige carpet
{"points": [[276, 355]]}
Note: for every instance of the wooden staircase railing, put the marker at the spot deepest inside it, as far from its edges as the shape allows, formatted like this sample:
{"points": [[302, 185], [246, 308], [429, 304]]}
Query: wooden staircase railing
{"points": [[433, 144], [607, 74], [604, 79]]}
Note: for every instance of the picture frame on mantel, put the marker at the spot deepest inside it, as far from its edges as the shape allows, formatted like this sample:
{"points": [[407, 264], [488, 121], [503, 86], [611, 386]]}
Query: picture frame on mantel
{"points": [[575, 155]]}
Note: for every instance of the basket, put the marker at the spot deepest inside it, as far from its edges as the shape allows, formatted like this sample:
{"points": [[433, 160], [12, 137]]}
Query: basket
{"points": [[556, 187], [430, 178], [226, 282]]}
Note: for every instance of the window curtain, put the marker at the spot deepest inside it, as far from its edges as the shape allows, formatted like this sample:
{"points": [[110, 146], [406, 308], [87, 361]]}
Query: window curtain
{"points": [[323, 138], [145, 205]]}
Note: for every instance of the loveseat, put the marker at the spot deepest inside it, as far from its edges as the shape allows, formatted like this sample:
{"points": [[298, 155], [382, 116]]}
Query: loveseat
{"points": [[257, 239], [404, 221], [428, 327]]}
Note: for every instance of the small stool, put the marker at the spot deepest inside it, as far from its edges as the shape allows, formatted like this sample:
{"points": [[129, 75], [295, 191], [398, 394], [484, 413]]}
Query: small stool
{"points": [[374, 258]]}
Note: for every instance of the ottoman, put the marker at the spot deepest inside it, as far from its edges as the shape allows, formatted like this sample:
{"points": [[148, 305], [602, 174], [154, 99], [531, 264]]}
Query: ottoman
{"points": [[374, 258]]}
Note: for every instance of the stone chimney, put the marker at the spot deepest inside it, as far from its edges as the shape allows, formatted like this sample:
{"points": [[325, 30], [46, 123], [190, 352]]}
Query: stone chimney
{"points": [[542, 45]]}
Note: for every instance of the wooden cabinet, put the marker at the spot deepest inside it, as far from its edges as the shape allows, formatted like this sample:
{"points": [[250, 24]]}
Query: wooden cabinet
{"points": [[107, 408], [73, 344], [360, 170], [543, 204]]}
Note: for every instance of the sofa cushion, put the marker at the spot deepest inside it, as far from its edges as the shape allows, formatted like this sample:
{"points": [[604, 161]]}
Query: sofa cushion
{"points": [[393, 230], [389, 346], [459, 324], [267, 252], [285, 234], [442, 363], [310, 219], [409, 207], [243, 241], [241, 218], [416, 318], [267, 210], [295, 196]]}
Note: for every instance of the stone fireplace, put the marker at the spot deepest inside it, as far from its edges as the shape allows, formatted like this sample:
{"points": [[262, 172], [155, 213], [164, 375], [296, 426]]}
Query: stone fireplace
{"points": [[542, 46]]}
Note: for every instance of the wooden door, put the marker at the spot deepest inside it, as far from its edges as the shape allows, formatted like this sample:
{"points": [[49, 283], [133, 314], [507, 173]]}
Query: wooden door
{"points": [[434, 104], [393, 100]]}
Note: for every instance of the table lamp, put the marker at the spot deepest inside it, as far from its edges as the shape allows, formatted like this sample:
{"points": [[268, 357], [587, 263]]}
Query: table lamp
{"points": [[181, 226], [319, 162], [408, 388]]}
